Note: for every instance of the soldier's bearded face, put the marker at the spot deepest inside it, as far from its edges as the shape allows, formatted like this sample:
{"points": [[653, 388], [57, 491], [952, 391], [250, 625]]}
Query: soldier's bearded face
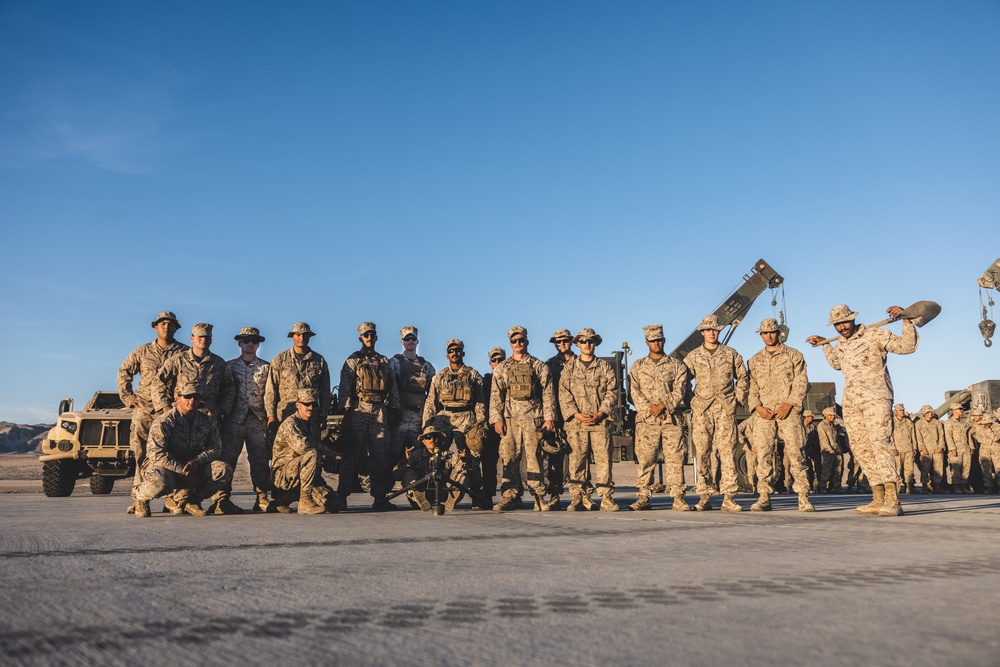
{"points": [[846, 329], [305, 410]]}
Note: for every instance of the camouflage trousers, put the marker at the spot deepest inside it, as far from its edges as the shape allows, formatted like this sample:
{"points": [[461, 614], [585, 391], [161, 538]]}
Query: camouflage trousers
{"points": [[582, 443], [869, 426], [829, 477], [649, 440], [764, 436], [521, 440], [751, 458], [931, 468], [406, 433], [989, 461], [370, 449], [252, 433], [301, 473], [906, 467], [210, 477], [489, 458], [960, 465], [714, 434], [138, 434]]}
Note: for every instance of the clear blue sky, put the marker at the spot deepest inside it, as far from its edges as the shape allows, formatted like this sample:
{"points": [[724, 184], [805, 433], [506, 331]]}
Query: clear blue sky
{"points": [[467, 166]]}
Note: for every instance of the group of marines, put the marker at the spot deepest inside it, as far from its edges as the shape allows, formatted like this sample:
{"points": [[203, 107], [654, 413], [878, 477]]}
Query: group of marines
{"points": [[193, 414]]}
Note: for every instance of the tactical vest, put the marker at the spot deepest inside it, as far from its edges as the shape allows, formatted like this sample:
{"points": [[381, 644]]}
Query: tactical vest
{"points": [[521, 381], [413, 382], [455, 388], [371, 385]]}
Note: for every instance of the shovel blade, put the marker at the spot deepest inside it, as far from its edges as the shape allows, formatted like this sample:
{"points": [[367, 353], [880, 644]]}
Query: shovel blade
{"points": [[921, 312]]}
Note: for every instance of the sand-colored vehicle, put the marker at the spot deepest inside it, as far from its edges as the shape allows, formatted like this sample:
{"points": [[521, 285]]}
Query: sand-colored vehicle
{"points": [[91, 443]]}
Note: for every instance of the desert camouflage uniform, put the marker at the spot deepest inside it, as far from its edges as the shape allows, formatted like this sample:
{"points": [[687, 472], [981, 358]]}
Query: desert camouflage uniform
{"points": [[291, 372], [555, 466], [867, 404], [777, 378], [458, 395], [720, 383], [829, 455], [145, 361], [651, 382], [987, 434], [744, 438], [368, 414], [413, 380], [588, 389], [210, 374], [490, 454], [174, 440], [930, 441], [296, 465], [247, 422], [904, 441], [524, 418], [814, 460], [959, 440]]}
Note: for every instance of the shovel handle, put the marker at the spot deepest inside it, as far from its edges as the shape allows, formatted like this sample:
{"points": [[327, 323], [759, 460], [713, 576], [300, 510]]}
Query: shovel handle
{"points": [[870, 326]]}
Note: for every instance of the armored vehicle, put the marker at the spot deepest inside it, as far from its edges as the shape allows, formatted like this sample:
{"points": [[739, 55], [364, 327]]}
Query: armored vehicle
{"points": [[90, 443]]}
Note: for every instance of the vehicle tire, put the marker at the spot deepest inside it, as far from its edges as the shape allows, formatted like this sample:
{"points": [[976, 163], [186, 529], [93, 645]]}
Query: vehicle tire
{"points": [[101, 485], [742, 471], [58, 477]]}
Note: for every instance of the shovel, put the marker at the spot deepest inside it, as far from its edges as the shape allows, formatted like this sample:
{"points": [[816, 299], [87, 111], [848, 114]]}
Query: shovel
{"points": [[920, 312]]}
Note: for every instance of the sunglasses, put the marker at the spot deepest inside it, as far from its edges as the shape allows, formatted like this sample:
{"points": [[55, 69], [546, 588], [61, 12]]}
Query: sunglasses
{"points": [[410, 339], [496, 360], [586, 342], [368, 334], [518, 341], [454, 349], [249, 341]]}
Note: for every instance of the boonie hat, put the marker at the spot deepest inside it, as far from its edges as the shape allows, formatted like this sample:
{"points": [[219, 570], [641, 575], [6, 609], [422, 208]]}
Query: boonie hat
{"points": [[301, 328], [841, 313], [829, 412], [588, 334], [560, 334], [769, 325], [165, 315], [710, 322], [253, 333]]}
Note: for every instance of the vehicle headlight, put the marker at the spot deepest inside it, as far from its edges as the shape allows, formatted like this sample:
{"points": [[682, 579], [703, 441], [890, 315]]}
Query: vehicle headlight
{"points": [[65, 446], [69, 426]]}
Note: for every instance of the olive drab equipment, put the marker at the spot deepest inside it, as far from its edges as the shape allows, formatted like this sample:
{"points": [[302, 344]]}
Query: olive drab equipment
{"points": [[455, 389], [371, 384], [522, 381], [413, 382]]}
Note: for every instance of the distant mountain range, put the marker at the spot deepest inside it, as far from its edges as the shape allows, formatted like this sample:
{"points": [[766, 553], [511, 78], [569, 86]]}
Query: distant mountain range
{"points": [[22, 438]]}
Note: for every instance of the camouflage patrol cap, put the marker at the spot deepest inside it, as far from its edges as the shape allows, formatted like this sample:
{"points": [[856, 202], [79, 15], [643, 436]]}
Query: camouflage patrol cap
{"points": [[956, 406], [710, 322], [165, 315], [453, 342], [186, 388], [560, 334], [252, 333], [976, 411], [925, 409], [307, 396], [202, 329], [841, 313], [405, 331], [519, 330], [366, 327], [807, 413], [769, 325], [498, 351], [653, 332], [587, 333], [440, 425], [829, 412], [301, 328], [899, 406]]}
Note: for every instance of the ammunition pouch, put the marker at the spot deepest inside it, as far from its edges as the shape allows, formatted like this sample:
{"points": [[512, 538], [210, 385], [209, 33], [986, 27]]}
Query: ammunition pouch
{"points": [[371, 385], [474, 439], [522, 382]]}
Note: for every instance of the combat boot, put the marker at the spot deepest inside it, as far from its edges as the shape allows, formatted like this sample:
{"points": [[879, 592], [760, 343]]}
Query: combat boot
{"points": [[658, 488], [420, 498], [909, 488], [335, 503], [262, 504], [608, 503], [588, 502], [642, 503], [451, 501], [763, 503], [170, 505], [680, 505], [131, 508], [891, 506], [142, 508], [539, 502], [506, 503], [575, 502], [307, 505], [878, 499], [225, 505], [704, 503], [554, 504], [194, 508], [383, 505], [282, 501], [729, 505], [804, 504]]}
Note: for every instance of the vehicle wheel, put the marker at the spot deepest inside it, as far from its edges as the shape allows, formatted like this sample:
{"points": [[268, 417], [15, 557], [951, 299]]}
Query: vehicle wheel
{"points": [[101, 485], [58, 477], [742, 471]]}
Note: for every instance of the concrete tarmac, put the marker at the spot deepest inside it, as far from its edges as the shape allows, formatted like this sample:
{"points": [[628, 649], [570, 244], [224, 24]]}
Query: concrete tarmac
{"points": [[85, 584]]}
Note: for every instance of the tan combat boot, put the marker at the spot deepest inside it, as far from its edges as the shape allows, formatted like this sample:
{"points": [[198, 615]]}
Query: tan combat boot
{"points": [[729, 505], [506, 503], [194, 508], [142, 509], [909, 488], [225, 505], [452, 500], [554, 504], [131, 508], [262, 504], [575, 502], [878, 499], [704, 503], [641, 503], [680, 505], [420, 498], [763, 503], [804, 504], [891, 506], [307, 505], [282, 501], [170, 505], [540, 505], [588, 502], [608, 503]]}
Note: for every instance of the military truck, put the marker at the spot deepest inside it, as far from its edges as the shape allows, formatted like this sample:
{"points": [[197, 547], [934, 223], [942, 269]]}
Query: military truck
{"points": [[90, 443]]}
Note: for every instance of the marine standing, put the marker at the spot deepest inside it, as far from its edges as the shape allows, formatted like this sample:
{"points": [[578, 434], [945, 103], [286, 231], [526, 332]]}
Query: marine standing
{"points": [[201, 367], [490, 455], [413, 380], [904, 445], [931, 443], [299, 367], [554, 464], [960, 449], [829, 479]]}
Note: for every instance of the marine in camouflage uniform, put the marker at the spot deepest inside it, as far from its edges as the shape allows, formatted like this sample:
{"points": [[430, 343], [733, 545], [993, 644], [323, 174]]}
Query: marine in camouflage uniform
{"points": [[201, 367], [371, 405], [300, 367], [867, 406], [184, 448], [490, 455], [829, 479], [246, 423], [296, 466], [146, 361], [413, 380], [587, 391], [720, 382], [904, 445], [456, 394], [744, 438], [960, 449], [811, 450], [438, 435], [658, 384], [931, 444], [522, 401], [555, 466], [778, 382], [987, 435]]}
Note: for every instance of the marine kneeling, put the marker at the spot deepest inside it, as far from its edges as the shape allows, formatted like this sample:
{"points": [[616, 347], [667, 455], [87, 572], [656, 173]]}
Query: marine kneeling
{"points": [[296, 462], [431, 467], [183, 448]]}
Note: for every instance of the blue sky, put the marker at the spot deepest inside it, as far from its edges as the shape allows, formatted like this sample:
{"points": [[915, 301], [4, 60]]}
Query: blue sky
{"points": [[464, 167]]}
